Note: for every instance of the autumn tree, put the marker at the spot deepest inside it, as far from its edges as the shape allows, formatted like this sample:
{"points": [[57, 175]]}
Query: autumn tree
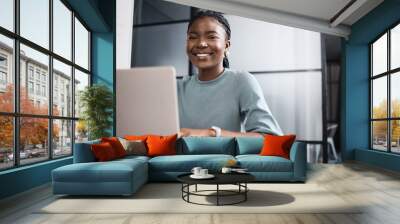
{"points": [[33, 131], [380, 127]]}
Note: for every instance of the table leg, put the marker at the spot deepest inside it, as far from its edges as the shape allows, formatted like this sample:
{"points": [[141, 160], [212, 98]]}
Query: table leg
{"points": [[245, 193], [217, 194], [196, 188]]}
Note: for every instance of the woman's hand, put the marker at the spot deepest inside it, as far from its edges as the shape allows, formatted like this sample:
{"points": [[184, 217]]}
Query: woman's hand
{"points": [[186, 132]]}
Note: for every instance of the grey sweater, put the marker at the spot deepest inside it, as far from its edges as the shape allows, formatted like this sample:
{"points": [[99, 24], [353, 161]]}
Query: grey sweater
{"points": [[234, 101]]}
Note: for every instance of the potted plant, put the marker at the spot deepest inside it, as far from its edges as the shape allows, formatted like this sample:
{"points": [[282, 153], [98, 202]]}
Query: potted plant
{"points": [[96, 102]]}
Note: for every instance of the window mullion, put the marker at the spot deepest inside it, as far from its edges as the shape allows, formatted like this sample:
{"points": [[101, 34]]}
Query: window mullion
{"points": [[389, 106], [50, 81], [16, 84], [73, 82]]}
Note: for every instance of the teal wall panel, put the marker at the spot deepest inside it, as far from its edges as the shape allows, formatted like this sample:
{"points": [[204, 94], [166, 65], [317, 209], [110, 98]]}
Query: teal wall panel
{"points": [[24, 178]]}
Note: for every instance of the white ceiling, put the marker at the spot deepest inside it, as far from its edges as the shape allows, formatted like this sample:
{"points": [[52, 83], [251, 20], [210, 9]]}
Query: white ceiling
{"points": [[315, 15]]}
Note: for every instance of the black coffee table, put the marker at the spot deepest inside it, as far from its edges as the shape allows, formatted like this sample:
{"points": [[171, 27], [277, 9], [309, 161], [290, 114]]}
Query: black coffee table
{"points": [[238, 179]]}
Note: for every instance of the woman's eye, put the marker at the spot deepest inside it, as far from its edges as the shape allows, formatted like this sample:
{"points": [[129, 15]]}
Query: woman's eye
{"points": [[213, 37], [191, 37]]}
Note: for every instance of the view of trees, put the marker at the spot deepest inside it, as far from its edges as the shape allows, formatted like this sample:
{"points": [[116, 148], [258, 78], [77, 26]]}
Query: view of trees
{"points": [[34, 131], [380, 128]]}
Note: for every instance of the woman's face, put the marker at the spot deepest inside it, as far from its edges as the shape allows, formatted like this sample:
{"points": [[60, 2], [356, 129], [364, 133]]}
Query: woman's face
{"points": [[206, 43]]}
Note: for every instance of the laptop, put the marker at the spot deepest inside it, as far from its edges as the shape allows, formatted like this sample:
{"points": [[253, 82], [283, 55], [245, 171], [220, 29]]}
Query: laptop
{"points": [[147, 101]]}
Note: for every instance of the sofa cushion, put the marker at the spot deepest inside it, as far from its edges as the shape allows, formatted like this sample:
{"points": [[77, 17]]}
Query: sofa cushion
{"points": [[116, 145], [111, 171], [249, 145], [185, 163], [206, 145], [257, 163], [277, 145], [103, 152], [161, 145]]}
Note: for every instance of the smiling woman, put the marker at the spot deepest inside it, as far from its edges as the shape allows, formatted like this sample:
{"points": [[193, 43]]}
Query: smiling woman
{"points": [[219, 101]]}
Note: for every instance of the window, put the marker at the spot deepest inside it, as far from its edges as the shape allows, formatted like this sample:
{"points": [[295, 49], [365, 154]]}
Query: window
{"points": [[7, 14], [30, 72], [81, 45], [45, 131], [3, 78], [37, 75], [35, 21], [38, 89], [385, 91], [43, 90], [3, 61], [30, 87]]}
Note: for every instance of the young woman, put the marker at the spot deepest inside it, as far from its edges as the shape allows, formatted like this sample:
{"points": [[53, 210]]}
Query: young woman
{"points": [[219, 101]]}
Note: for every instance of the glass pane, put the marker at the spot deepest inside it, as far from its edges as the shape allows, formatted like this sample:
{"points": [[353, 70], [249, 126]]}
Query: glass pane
{"points": [[62, 89], [395, 136], [379, 56], [62, 138], [34, 72], [155, 11], [379, 98], [35, 21], [81, 131], [81, 81], [395, 94], [6, 142], [379, 135], [154, 45], [6, 74], [33, 139], [62, 29], [395, 47], [81, 45], [7, 14]]}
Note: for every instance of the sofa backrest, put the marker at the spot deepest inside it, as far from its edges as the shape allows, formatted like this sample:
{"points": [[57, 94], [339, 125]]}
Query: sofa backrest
{"points": [[249, 145], [206, 145], [83, 153]]}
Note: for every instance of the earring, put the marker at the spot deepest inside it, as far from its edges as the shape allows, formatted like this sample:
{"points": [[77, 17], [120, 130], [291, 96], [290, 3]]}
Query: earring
{"points": [[226, 53]]}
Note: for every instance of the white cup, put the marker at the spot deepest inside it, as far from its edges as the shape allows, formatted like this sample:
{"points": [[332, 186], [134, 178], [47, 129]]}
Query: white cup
{"points": [[226, 170], [203, 172], [196, 171]]}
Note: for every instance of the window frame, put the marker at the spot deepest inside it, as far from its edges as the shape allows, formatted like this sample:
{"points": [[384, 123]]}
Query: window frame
{"points": [[16, 114], [388, 74]]}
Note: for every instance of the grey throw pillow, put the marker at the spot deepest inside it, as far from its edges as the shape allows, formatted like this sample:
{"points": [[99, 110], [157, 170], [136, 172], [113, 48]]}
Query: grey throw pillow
{"points": [[134, 147]]}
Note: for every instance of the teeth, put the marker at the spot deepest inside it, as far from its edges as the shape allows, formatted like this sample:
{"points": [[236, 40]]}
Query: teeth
{"points": [[202, 55]]}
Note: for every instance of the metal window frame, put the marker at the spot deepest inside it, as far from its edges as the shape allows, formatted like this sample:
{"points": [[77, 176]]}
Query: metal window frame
{"points": [[388, 74], [16, 114]]}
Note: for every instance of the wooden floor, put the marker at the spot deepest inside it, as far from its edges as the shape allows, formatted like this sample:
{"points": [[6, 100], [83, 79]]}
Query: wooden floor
{"points": [[378, 188]]}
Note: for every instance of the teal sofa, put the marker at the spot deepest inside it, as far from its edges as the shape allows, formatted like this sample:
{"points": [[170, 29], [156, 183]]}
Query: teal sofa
{"points": [[125, 176]]}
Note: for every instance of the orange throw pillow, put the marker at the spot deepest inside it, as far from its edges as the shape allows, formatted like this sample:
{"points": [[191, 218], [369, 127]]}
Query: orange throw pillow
{"points": [[136, 137], [161, 145], [103, 152], [116, 145], [277, 145]]}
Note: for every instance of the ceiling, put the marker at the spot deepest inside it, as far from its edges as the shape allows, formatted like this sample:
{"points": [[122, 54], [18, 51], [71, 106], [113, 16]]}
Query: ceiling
{"points": [[333, 17]]}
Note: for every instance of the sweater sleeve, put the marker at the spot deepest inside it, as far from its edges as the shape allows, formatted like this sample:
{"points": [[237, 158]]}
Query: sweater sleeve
{"points": [[254, 111]]}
